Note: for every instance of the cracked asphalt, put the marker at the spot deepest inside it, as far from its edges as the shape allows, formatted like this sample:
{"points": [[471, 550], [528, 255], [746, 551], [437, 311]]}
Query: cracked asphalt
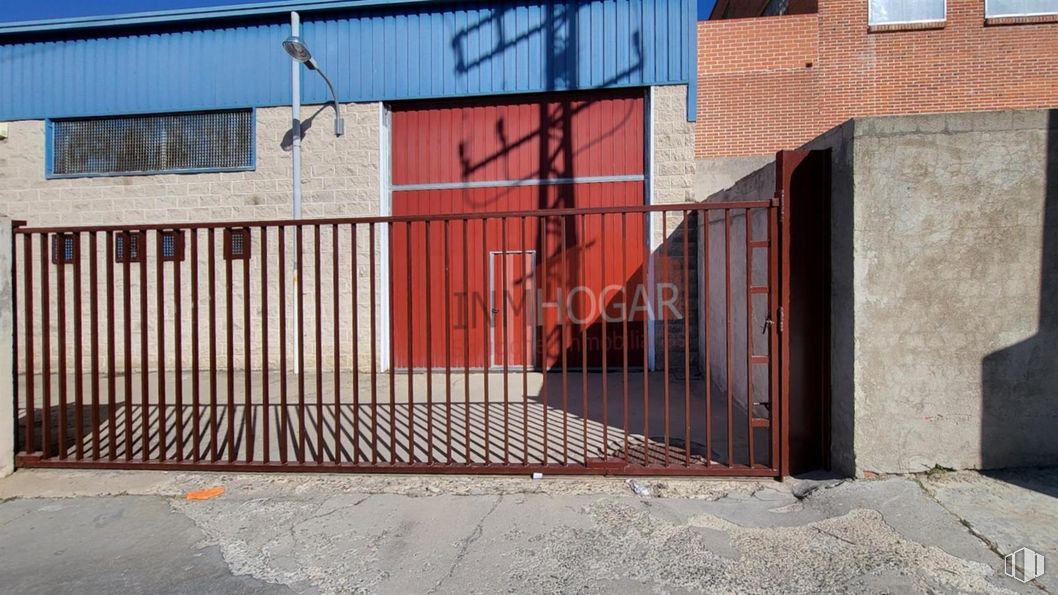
{"points": [[108, 532]]}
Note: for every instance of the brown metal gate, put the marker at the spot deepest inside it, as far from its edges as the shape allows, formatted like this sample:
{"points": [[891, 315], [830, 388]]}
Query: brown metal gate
{"points": [[271, 345]]}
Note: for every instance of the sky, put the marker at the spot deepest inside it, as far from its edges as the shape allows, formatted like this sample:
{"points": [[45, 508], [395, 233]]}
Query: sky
{"points": [[32, 10]]}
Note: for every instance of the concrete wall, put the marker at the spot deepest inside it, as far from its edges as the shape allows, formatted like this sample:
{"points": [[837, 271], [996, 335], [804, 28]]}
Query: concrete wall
{"points": [[747, 178], [955, 359]]}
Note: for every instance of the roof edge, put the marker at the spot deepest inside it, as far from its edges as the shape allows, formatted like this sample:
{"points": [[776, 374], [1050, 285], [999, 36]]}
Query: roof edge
{"points": [[192, 14]]}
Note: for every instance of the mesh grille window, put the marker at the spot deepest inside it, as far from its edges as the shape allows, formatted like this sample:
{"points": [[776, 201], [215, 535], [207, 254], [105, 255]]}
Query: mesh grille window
{"points": [[172, 245], [63, 248], [237, 244], [133, 241], [153, 144]]}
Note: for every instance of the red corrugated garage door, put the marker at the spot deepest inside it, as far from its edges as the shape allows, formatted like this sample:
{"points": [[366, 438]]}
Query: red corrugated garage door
{"points": [[514, 292]]}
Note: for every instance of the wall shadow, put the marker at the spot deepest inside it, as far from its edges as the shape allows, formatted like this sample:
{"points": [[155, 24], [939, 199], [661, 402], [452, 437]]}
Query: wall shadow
{"points": [[1020, 383]]}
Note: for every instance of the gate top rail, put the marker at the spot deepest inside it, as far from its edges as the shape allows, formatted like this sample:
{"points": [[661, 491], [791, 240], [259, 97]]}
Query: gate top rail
{"points": [[657, 208]]}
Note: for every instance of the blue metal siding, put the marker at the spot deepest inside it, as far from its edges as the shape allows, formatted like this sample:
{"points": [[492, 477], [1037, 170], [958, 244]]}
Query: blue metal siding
{"points": [[420, 51]]}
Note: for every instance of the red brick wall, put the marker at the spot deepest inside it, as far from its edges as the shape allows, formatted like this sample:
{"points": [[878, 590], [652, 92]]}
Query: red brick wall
{"points": [[775, 83]]}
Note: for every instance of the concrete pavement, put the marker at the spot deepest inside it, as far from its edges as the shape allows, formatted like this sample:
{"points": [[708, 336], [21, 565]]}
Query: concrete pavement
{"points": [[96, 532]]}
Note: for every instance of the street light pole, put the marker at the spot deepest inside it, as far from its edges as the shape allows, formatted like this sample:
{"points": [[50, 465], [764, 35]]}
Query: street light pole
{"points": [[295, 114], [295, 135], [300, 54]]}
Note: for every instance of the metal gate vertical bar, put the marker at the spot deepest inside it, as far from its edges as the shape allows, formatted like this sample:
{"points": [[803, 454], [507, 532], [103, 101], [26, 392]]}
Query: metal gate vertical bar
{"points": [[27, 287], [247, 332], [624, 341], [266, 406], [428, 290], [604, 342], [410, 298], [392, 352], [562, 321], [486, 323], [317, 274], [466, 341], [705, 298], [126, 318], [448, 341], [647, 336], [284, 412], [504, 247], [686, 319], [580, 282], [78, 351], [229, 343], [58, 255], [299, 339], [526, 361], [111, 376], [729, 344], [354, 310], [178, 341], [214, 449], [159, 268], [196, 398], [45, 348], [145, 410], [544, 267], [336, 323], [374, 343], [666, 265]]}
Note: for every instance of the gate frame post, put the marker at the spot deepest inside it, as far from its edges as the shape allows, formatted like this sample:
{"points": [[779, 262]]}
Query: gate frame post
{"points": [[8, 377], [785, 162]]}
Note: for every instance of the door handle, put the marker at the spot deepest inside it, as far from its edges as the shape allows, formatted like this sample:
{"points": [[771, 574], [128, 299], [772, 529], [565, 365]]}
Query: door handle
{"points": [[767, 322]]}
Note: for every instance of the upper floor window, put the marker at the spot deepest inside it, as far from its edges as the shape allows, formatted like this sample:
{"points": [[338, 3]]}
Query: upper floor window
{"points": [[896, 12], [775, 8], [151, 144], [1019, 8]]}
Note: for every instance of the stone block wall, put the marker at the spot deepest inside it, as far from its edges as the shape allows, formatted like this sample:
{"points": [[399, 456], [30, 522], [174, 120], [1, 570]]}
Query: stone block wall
{"points": [[673, 171], [341, 177]]}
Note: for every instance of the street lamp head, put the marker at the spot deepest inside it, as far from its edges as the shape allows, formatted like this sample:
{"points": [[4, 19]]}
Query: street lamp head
{"points": [[297, 49], [300, 52]]}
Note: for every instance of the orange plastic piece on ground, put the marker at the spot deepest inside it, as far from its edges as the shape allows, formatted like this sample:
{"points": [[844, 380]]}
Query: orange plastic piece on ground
{"points": [[205, 494]]}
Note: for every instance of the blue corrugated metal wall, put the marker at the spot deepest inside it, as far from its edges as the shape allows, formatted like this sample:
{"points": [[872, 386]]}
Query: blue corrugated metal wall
{"points": [[417, 52]]}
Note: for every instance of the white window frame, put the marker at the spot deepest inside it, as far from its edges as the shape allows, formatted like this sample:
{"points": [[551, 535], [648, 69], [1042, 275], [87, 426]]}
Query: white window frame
{"points": [[871, 22], [989, 15]]}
